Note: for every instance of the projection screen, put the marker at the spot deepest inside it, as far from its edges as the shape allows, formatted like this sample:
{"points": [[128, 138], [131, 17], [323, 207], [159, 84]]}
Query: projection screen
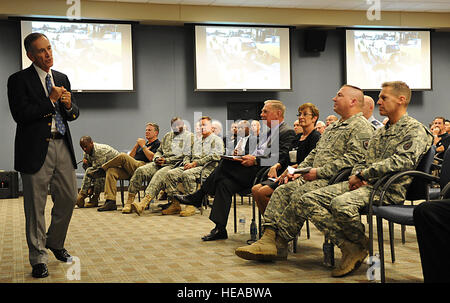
{"points": [[242, 58], [376, 56], [95, 56]]}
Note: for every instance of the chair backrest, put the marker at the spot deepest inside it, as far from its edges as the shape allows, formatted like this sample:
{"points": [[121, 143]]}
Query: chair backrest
{"points": [[445, 170], [418, 189], [340, 176]]}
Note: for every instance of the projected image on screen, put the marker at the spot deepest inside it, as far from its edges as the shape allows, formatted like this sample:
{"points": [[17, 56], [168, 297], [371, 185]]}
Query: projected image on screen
{"points": [[242, 58], [374, 57], [94, 56]]}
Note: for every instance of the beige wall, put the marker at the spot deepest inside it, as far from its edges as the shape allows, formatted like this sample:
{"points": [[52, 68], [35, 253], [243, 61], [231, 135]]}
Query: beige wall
{"points": [[179, 14]]}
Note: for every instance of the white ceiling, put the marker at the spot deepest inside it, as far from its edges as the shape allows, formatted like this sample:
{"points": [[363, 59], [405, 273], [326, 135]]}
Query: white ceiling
{"points": [[390, 5]]}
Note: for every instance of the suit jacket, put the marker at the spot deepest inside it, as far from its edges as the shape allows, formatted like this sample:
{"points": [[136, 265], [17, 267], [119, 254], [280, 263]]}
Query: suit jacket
{"points": [[32, 110], [245, 175]]}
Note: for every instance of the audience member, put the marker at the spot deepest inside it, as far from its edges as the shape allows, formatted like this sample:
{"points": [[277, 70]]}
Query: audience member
{"points": [[297, 128], [320, 126], [208, 149], [441, 137], [216, 127], [95, 155], [367, 111], [255, 128], [244, 139], [335, 209], [229, 140], [447, 126], [175, 145], [123, 165], [301, 146], [330, 119], [342, 145], [232, 176]]}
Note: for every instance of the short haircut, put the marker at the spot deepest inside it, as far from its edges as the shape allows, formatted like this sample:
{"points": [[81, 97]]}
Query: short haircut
{"points": [[277, 105], [175, 119], [399, 88], [440, 118], [310, 106], [359, 95], [85, 140], [28, 41], [155, 126], [205, 118]]}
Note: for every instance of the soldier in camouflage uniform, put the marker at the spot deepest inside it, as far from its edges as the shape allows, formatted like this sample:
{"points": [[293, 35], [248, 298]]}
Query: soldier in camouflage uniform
{"points": [[342, 145], [95, 155], [207, 149], [399, 146], [173, 149]]}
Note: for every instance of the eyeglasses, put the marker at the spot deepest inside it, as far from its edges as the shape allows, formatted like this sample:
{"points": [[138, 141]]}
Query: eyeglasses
{"points": [[304, 115]]}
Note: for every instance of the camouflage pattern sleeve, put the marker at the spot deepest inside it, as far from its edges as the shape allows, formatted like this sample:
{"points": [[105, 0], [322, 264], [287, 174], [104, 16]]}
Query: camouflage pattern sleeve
{"points": [[160, 151], [354, 146], [404, 150], [210, 152]]}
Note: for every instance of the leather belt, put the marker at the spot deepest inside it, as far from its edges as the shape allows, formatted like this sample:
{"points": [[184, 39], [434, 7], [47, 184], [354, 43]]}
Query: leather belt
{"points": [[56, 135]]}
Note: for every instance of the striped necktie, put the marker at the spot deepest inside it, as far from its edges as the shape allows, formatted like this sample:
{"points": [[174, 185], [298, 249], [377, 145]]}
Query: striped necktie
{"points": [[58, 118]]}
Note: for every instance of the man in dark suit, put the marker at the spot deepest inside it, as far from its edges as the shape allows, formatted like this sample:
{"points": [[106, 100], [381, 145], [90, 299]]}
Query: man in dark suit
{"points": [[232, 176], [41, 103]]}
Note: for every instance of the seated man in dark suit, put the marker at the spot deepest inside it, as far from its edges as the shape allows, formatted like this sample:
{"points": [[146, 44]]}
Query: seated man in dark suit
{"points": [[244, 139], [232, 176]]}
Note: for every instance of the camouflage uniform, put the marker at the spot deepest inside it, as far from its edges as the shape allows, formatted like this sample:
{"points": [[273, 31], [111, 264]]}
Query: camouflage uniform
{"points": [[173, 149], [334, 210], [101, 154], [342, 145], [204, 151]]}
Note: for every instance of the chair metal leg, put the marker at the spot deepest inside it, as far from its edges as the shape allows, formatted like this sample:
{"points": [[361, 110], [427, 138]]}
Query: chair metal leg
{"points": [[391, 240], [121, 191], [308, 235], [259, 225], [370, 222], [403, 234], [235, 214], [381, 248]]}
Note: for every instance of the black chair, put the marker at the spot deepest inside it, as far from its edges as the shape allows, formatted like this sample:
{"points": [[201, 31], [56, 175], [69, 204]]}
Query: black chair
{"points": [[418, 189]]}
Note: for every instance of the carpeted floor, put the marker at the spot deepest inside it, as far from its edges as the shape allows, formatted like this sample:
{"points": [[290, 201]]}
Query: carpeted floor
{"points": [[111, 247]]}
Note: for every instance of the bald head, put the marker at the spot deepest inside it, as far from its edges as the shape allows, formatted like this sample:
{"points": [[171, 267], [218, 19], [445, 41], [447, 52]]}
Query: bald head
{"points": [[368, 107]]}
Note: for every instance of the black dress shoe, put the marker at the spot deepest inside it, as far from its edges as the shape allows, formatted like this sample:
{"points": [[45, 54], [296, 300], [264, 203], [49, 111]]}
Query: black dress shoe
{"points": [[194, 199], [39, 270], [96, 173], [61, 254], [216, 234], [109, 205]]}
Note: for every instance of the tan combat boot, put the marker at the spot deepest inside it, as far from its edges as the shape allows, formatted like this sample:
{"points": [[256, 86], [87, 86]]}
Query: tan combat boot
{"points": [[127, 208], [139, 207], [173, 209], [80, 199], [282, 248], [263, 249], [353, 256], [188, 211]]}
